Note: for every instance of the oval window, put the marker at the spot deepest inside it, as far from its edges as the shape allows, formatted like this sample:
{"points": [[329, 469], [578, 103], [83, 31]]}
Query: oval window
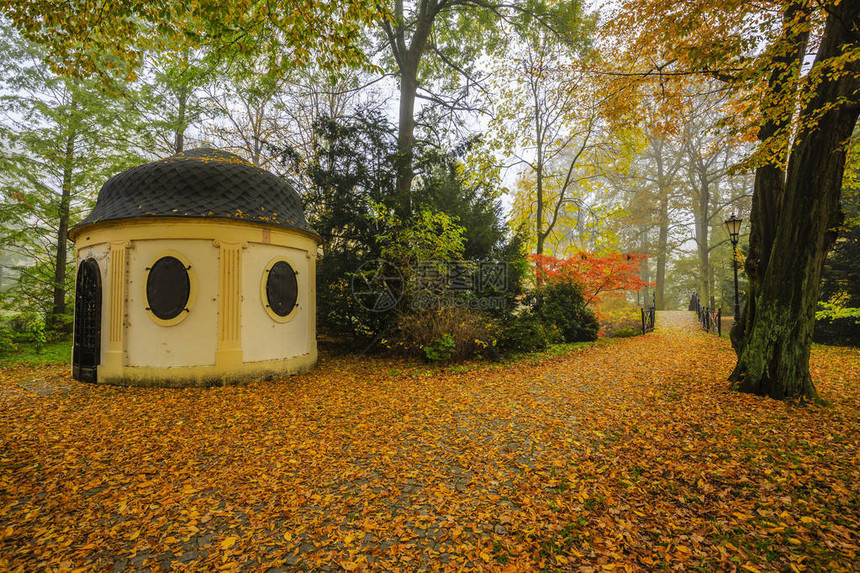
{"points": [[282, 288], [168, 288]]}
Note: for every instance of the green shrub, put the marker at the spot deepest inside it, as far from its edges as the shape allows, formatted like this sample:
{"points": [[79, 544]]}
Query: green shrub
{"points": [[561, 306], [29, 327], [20, 323], [626, 332], [7, 341], [828, 311], [37, 335], [62, 326], [442, 349], [524, 333], [471, 332], [619, 317], [837, 325]]}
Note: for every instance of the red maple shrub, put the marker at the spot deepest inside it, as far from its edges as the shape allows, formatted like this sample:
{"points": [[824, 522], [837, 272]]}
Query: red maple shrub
{"points": [[597, 275]]}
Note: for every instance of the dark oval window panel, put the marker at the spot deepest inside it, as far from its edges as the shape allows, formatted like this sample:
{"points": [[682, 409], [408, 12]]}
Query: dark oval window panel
{"points": [[282, 288], [167, 288]]}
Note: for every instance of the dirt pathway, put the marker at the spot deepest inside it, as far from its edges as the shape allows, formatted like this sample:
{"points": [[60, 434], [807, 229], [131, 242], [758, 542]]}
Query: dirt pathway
{"points": [[676, 321]]}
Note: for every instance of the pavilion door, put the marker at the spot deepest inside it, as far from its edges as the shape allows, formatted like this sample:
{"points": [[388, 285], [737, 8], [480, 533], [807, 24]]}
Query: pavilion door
{"points": [[88, 322]]}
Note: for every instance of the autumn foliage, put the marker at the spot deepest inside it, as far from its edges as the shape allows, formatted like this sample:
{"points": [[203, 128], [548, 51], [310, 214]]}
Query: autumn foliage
{"points": [[598, 275]]}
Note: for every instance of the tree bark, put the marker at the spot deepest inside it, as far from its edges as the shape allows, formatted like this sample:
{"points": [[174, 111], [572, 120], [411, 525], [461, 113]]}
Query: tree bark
{"points": [[700, 183], [704, 273], [663, 230], [406, 141], [662, 247], [54, 320], [408, 59], [769, 182], [774, 354], [539, 145], [179, 132], [645, 271]]}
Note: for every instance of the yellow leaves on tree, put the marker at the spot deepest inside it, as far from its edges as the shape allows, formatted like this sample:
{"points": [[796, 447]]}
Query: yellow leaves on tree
{"points": [[92, 36]]}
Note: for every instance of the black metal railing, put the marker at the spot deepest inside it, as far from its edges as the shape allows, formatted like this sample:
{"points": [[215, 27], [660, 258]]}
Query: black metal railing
{"points": [[710, 317], [648, 315], [694, 302]]}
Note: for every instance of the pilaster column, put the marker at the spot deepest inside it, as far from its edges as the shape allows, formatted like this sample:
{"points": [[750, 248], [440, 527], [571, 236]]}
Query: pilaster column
{"points": [[229, 353], [115, 353], [312, 304]]}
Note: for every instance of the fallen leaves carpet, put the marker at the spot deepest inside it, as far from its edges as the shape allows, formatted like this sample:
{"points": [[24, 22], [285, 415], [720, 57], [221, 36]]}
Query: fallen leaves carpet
{"points": [[628, 455]]}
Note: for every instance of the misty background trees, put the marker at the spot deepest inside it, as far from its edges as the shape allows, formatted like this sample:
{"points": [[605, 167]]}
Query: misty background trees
{"points": [[530, 127]]}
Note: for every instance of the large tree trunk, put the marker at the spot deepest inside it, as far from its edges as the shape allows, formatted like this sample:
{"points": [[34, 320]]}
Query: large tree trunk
{"points": [[701, 215], [54, 320], [406, 138], [774, 355], [408, 60], [766, 202], [644, 270], [769, 183], [541, 233], [700, 184], [662, 251], [663, 231]]}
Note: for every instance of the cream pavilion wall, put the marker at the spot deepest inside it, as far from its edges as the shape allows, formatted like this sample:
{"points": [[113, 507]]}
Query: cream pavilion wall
{"points": [[228, 336], [194, 340], [263, 337]]}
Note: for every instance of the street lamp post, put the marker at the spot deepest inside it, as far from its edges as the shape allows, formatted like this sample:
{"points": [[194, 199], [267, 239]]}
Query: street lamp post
{"points": [[733, 224]]}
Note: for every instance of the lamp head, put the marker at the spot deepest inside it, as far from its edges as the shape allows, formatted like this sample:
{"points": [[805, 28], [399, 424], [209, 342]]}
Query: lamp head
{"points": [[733, 224]]}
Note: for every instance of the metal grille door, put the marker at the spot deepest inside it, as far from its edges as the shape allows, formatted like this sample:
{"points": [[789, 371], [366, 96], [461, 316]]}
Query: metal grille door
{"points": [[88, 319]]}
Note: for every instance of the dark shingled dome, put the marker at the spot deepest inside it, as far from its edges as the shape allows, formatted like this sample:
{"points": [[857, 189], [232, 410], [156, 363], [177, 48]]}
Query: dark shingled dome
{"points": [[201, 184]]}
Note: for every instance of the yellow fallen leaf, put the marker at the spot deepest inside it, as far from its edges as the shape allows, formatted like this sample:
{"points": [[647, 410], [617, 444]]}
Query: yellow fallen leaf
{"points": [[229, 542]]}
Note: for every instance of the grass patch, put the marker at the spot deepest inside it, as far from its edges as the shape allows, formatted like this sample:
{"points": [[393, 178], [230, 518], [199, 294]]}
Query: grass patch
{"points": [[554, 350], [52, 353], [531, 358]]}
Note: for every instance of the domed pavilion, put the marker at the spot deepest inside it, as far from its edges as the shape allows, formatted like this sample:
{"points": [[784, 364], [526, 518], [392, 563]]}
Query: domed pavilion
{"points": [[194, 270]]}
